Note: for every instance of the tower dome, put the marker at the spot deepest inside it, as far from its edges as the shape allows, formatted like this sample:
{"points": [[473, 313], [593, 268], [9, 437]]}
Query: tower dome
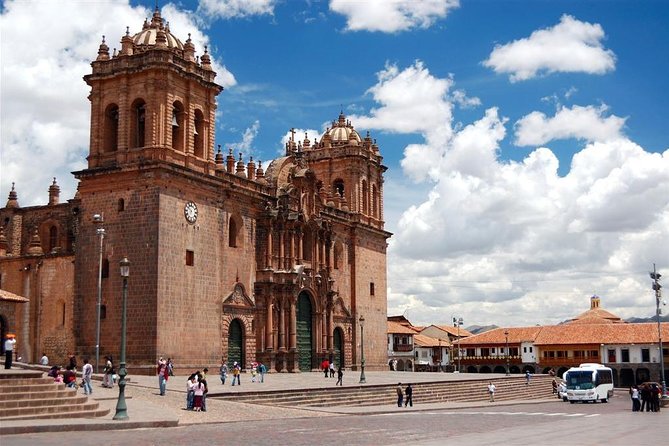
{"points": [[343, 132], [155, 33]]}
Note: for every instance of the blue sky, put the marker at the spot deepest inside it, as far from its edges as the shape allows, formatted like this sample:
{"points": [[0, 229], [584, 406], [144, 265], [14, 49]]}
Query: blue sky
{"points": [[526, 141]]}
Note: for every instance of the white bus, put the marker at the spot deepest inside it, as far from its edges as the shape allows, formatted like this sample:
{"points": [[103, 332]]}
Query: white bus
{"points": [[589, 382]]}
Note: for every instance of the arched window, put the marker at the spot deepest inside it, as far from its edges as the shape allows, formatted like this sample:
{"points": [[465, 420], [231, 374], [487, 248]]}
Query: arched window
{"points": [[338, 186], [121, 205], [138, 124], [365, 197], [338, 254], [375, 202], [110, 129], [198, 134], [53, 238], [177, 123], [232, 233]]}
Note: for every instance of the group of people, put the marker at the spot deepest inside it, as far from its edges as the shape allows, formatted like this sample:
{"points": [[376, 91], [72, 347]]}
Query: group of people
{"points": [[647, 396], [196, 391], [406, 396], [68, 375], [257, 369], [328, 368]]}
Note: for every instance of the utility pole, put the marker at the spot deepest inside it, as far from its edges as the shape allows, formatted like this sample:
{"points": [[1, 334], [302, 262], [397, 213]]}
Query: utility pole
{"points": [[658, 298]]}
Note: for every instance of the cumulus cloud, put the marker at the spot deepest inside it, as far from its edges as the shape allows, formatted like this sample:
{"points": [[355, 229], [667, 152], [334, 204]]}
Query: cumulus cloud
{"points": [[587, 123], [491, 237], [569, 46], [227, 9], [45, 110], [245, 146], [299, 135], [390, 16]]}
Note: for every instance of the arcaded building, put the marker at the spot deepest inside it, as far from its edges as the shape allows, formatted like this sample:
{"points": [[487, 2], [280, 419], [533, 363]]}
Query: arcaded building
{"points": [[227, 259]]}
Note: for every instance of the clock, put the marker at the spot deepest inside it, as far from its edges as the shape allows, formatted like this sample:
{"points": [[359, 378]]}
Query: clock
{"points": [[190, 212]]}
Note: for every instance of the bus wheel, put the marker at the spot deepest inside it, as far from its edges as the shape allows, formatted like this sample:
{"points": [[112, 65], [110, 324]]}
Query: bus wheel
{"points": [[605, 400], [572, 402]]}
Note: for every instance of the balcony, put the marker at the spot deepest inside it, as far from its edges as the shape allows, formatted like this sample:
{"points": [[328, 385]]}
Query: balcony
{"points": [[402, 347]]}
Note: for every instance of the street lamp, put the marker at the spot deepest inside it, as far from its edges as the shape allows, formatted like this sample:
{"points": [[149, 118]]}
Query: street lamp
{"points": [[457, 321], [98, 219], [362, 350], [506, 335], [658, 297], [121, 407]]}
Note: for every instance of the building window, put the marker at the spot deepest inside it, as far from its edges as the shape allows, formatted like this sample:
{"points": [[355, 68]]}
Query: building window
{"points": [[371, 288], [645, 355], [103, 311], [493, 350], [110, 142], [198, 134], [190, 258], [338, 187], [594, 353], [513, 351], [177, 124], [612, 355], [530, 349], [53, 238], [232, 233], [471, 352], [524, 349], [121, 205], [138, 124], [62, 314], [105, 268], [624, 355]]}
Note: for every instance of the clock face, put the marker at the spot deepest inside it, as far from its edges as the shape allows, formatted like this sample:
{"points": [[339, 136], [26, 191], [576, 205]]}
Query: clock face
{"points": [[190, 212]]}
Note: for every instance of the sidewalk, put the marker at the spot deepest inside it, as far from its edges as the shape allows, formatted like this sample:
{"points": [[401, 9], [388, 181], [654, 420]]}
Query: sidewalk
{"points": [[146, 408]]}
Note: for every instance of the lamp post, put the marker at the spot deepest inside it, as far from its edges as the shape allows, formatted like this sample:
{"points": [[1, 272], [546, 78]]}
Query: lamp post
{"points": [[457, 321], [121, 407], [658, 297], [362, 350], [98, 219], [506, 336]]}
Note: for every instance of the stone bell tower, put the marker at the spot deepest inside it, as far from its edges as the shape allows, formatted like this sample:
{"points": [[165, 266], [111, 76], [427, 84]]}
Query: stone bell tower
{"points": [[152, 100]]}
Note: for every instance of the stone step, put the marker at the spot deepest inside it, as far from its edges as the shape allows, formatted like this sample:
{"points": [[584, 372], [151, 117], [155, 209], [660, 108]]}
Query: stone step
{"points": [[53, 415], [54, 393], [48, 410], [32, 388], [20, 403], [9, 382]]}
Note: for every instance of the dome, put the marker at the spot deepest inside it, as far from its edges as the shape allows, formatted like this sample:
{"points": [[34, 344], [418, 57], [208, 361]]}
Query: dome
{"points": [[148, 36], [343, 131]]}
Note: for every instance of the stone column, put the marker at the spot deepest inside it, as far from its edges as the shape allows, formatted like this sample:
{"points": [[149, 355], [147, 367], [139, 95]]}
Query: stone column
{"points": [[329, 327], [268, 250], [281, 249], [282, 327], [269, 324], [293, 325], [25, 351]]}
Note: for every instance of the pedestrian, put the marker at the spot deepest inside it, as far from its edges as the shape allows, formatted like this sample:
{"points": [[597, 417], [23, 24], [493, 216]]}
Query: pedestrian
{"points": [[44, 360], [73, 362], [655, 398], [223, 370], [170, 367], [162, 374], [332, 369], [400, 395], [645, 398], [108, 377], [340, 376], [554, 385], [70, 377], [408, 392], [198, 393], [203, 379], [190, 391], [491, 391], [236, 371], [254, 372], [528, 375], [86, 376], [326, 367], [262, 370], [634, 394], [10, 342]]}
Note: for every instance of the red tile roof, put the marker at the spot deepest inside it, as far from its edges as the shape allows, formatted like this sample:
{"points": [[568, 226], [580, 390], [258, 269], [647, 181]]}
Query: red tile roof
{"points": [[7, 296], [497, 336], [397, 328], [427, 341], [454, 330]]}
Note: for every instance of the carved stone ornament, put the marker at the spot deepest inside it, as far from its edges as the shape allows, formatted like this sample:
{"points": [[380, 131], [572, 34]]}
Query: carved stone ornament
{"points": [[238, 297]]}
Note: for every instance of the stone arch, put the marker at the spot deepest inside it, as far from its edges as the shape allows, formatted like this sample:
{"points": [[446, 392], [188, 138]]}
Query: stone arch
{"points": [[485, 369], [375, 201], [514, 369], [236, 343], [235, 233], [177, 126], [49, 233], [529, 368], [198, 134], [499, 369], [338, 254], [137, 124], [546, 370], [561, 371], [642, 375], [399, 365], [472, 369], [365, 197], [626, 377], [338, 187], [408, 365], [305, 314], [110, 129], [338, 344]]}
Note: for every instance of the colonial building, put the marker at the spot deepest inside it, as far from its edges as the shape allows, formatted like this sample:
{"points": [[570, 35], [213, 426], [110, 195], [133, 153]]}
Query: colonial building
{"points": [[596, 335], [227, 259]]}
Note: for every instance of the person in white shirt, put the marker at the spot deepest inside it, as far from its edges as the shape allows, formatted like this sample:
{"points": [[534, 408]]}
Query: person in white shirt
{"points": [[9, 349], [44, 360], [491, 391], [87, 375]]}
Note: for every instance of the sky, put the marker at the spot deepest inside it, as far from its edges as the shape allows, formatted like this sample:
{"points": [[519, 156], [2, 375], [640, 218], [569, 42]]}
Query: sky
{"points": [[527, 142]]}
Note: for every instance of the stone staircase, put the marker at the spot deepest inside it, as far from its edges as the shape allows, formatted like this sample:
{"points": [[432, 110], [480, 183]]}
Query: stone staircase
{"points": [[28, 396], [470, 390]]}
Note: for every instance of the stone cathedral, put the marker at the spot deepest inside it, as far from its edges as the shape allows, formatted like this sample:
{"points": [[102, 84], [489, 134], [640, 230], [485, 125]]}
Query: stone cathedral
{"points": [[285, 265]]}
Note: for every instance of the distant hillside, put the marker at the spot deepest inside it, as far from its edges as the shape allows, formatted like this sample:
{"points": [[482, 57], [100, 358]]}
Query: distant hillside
{"points": [[476, 329], [648, 319]]}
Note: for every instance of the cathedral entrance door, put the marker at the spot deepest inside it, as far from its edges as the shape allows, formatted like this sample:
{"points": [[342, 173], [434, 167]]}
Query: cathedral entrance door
{"points": [[235, 344], [338, 348], [304, 332]]}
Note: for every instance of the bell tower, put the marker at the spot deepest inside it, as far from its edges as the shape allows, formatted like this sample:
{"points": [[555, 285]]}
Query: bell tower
{"points": [[152, 100]]}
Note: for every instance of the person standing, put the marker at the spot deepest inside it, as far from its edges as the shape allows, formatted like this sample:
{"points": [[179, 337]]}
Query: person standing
{"points": [[108, 378], [400, 395], [645, 398], [86, 376], [326, 367], [202, 379], [190, 391], [73, 362], [44, 360], [223, 370], [162, 373], [340, 377], [332, 369], [262, 370], [10, 342], [634, 394], [236, 371], [528, 376], [408, 392], [491, 391], [170, 367]]}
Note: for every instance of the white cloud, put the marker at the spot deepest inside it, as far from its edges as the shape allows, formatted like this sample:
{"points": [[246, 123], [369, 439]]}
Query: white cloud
{"points": [[494, 237], [587, 123], [245, 146], [569, 46], [300, 135], [47, 48], [391, 16], [227, 9]]}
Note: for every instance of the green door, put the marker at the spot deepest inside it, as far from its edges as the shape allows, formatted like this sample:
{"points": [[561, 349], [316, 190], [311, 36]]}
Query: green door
{"points": [[235, 345], [338, 348], [304, 332]]}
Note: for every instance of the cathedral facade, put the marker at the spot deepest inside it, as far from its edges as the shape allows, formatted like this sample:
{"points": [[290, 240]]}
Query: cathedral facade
{"points": [[285, 265]]}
